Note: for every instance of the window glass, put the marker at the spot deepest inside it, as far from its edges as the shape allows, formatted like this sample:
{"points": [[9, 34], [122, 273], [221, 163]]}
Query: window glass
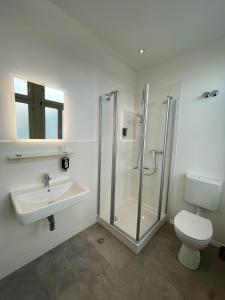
{"points": [[54, 95], [51, 123], [20, 86], [22, 120]]}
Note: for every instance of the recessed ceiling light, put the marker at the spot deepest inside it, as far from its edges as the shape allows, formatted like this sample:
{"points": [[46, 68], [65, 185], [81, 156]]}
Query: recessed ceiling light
{"points": [[141, 51]]}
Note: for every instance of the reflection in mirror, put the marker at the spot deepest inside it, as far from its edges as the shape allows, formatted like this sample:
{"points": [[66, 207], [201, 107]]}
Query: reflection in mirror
{"points": [[54, 95], [51, 123], [20, 86], [22, 119], [39, 110]]}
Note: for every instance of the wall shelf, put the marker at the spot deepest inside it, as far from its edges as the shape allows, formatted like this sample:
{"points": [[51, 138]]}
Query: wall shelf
{"points": [[36, 155]]}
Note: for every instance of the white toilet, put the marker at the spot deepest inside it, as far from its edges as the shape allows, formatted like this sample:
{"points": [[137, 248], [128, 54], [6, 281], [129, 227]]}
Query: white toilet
{"points": [[196, 232]]}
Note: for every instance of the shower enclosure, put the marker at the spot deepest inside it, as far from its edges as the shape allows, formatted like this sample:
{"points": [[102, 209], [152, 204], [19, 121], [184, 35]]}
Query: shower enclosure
{"points": [[135, 148]]}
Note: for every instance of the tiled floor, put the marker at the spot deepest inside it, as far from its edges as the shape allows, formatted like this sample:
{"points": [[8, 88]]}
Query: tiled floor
{"points": [[81, 269]]}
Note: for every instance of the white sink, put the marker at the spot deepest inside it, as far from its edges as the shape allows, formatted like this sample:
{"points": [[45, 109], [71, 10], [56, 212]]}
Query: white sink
{"points": [[40, 202]]}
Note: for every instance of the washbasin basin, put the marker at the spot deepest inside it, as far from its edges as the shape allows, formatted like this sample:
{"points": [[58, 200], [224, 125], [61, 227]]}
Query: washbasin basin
{"points": [[39, 202]]}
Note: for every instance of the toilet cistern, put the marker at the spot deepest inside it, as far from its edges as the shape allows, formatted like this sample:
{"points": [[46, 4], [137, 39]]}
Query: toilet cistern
{"points": [[46, 178], [203, 192]]}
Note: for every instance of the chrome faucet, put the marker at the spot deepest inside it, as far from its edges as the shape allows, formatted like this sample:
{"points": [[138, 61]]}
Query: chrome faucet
{"points": [[46, 178]]}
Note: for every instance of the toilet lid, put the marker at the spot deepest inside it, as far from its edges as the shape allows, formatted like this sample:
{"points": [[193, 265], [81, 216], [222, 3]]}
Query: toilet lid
{"points": [[193, 226]]}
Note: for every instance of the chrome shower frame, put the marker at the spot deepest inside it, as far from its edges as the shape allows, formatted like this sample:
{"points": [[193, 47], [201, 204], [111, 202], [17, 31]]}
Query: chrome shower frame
{"points": [[134, 244]]}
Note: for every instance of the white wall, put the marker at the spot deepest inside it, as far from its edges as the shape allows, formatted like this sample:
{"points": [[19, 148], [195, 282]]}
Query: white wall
{"points": [[201, 132], [41, 43]]}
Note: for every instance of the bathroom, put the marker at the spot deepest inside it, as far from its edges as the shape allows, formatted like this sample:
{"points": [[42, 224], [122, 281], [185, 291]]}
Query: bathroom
{"points": [[119, 65]]}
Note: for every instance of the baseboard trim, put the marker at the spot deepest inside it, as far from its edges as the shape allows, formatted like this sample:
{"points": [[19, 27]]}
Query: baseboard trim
{"points": [[217, 244]]}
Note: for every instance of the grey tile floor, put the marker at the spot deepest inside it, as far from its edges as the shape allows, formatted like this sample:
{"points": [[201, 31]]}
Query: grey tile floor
{"points": [[81, 269]]}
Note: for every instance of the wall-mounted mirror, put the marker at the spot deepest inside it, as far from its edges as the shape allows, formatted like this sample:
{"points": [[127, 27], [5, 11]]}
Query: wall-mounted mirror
{"points": [[39, 110]]}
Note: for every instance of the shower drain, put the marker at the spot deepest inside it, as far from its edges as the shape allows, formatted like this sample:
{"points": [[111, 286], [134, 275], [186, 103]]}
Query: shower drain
{"points": [[101, 240]]}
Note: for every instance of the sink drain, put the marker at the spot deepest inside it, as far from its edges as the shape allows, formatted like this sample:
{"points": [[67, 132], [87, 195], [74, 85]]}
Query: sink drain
{"points": [[101, 240]]}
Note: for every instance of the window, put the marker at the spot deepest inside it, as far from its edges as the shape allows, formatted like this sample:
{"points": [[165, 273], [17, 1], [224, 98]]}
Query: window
{"points": [[22, 118], [39, 110], [51, 123]]}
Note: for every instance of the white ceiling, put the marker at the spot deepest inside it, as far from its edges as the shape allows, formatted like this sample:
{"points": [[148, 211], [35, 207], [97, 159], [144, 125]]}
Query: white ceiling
{"points": [[165, 28]]}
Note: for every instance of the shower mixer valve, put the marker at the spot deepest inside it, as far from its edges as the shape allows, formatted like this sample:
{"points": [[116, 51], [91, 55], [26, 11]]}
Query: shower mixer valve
{"points": [[156, 151], [151, 171]]}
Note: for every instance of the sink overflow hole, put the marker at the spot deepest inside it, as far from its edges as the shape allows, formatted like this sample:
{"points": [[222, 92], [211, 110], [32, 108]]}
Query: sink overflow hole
{"points": [[101, 240]]}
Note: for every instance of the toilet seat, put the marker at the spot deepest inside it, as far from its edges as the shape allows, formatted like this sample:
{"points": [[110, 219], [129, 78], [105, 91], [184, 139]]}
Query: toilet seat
{"points": [[193, 227], [197, 243]]}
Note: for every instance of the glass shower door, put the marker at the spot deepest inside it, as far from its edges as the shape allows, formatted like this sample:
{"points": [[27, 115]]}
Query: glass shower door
{"points": [[155, 165], [127, 177], [152, 165], [118, 177]]}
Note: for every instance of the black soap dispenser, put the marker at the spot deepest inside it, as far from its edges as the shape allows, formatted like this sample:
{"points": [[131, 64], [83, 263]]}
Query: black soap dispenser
{"points": [[65, 163]]}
